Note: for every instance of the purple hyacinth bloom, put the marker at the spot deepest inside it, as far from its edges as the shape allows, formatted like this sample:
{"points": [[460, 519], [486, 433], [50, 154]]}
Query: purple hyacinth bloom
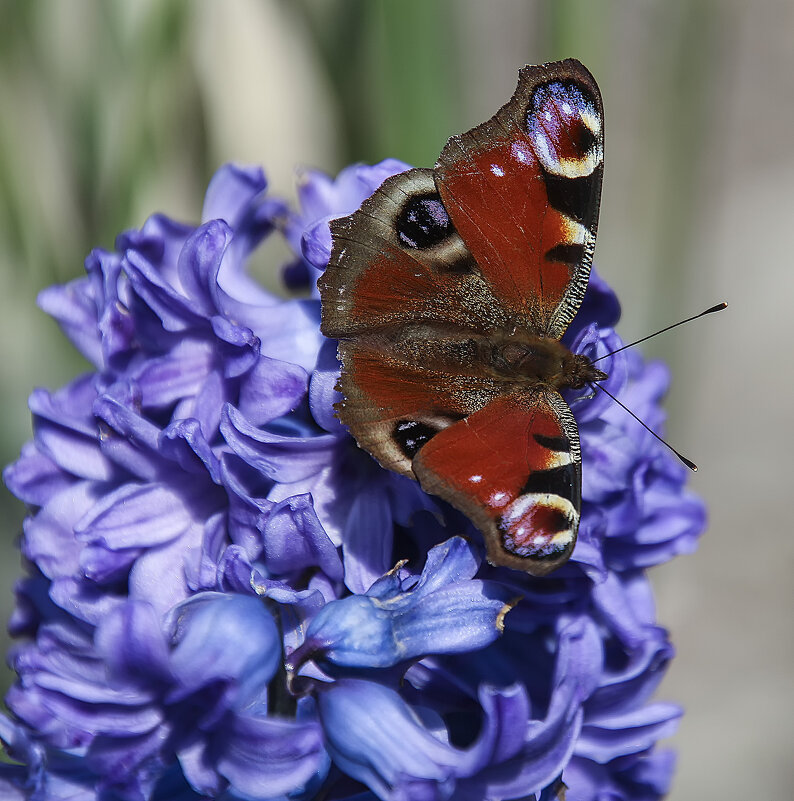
{"points": [[228, 599]]}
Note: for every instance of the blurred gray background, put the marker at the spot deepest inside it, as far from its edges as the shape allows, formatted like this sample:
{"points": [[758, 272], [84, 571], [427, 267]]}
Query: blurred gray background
{"points": [[112, 110]]}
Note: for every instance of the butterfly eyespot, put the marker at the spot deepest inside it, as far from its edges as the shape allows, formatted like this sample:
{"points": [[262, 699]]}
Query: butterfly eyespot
{"points": [[565, 128], [423, 222], [411, 435], [536, 529]]}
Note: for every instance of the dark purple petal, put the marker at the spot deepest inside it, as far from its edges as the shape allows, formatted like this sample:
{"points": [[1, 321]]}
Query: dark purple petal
{"points": [[184, 442], [174, 310], [645, 777], [367, 539]]}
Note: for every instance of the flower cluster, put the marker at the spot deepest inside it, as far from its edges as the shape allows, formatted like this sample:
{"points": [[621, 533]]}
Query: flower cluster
{"points": [[227, 599]]}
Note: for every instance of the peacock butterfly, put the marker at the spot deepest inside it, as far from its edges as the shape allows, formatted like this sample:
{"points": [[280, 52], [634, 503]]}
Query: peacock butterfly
{"points": [[449, 290]]}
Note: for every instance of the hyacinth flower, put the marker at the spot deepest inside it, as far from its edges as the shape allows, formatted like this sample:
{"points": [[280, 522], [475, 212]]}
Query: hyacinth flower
{"points": [[225, 598]]}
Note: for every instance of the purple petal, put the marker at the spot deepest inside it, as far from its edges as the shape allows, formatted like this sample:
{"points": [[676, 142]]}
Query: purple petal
{"points": [[73, 306], [49, 538], [392, 625], [85, 601], [322, 390], [132, 645], [200, 261], [230, 191], [70, 442], [375, 737], [34, 477], [136, 516], [367, 540], [271, 389], [184, 442], [176, 375], [175, 311], [202, 628], [128, 439], [158, 574], [288, 331], [294, 540], [605, 740], [282, 458], [265, 757]]}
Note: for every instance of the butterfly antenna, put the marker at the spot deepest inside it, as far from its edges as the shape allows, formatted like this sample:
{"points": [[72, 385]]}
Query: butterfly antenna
{"points": [[688, 462], [718, 307]]}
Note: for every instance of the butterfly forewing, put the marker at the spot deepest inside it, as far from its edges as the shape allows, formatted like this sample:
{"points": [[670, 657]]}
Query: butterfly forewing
{"points": [[398, 259], [445, 289], [523, 191]]}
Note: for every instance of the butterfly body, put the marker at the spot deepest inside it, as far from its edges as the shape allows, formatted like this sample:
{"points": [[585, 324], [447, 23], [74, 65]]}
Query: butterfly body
{"points": [[449, 291]]}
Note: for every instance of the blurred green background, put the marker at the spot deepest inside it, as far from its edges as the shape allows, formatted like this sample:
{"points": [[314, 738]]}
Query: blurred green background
{"points": [[112, 110]]}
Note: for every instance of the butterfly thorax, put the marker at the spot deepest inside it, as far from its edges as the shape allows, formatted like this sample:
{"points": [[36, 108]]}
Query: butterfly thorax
{"points": [[524, 357]]}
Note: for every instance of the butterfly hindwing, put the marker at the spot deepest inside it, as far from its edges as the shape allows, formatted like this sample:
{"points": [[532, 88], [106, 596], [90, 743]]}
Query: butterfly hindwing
{"points": [[514, 469], [395, 402]]}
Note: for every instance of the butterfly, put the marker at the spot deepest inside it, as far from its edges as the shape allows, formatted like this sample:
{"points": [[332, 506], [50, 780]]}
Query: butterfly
{"points": [[449, 291]]}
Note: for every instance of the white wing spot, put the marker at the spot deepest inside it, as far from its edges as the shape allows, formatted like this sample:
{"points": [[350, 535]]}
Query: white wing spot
{"points": [[497, 170], [498, 499], [520, 153], [475, 479]]}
